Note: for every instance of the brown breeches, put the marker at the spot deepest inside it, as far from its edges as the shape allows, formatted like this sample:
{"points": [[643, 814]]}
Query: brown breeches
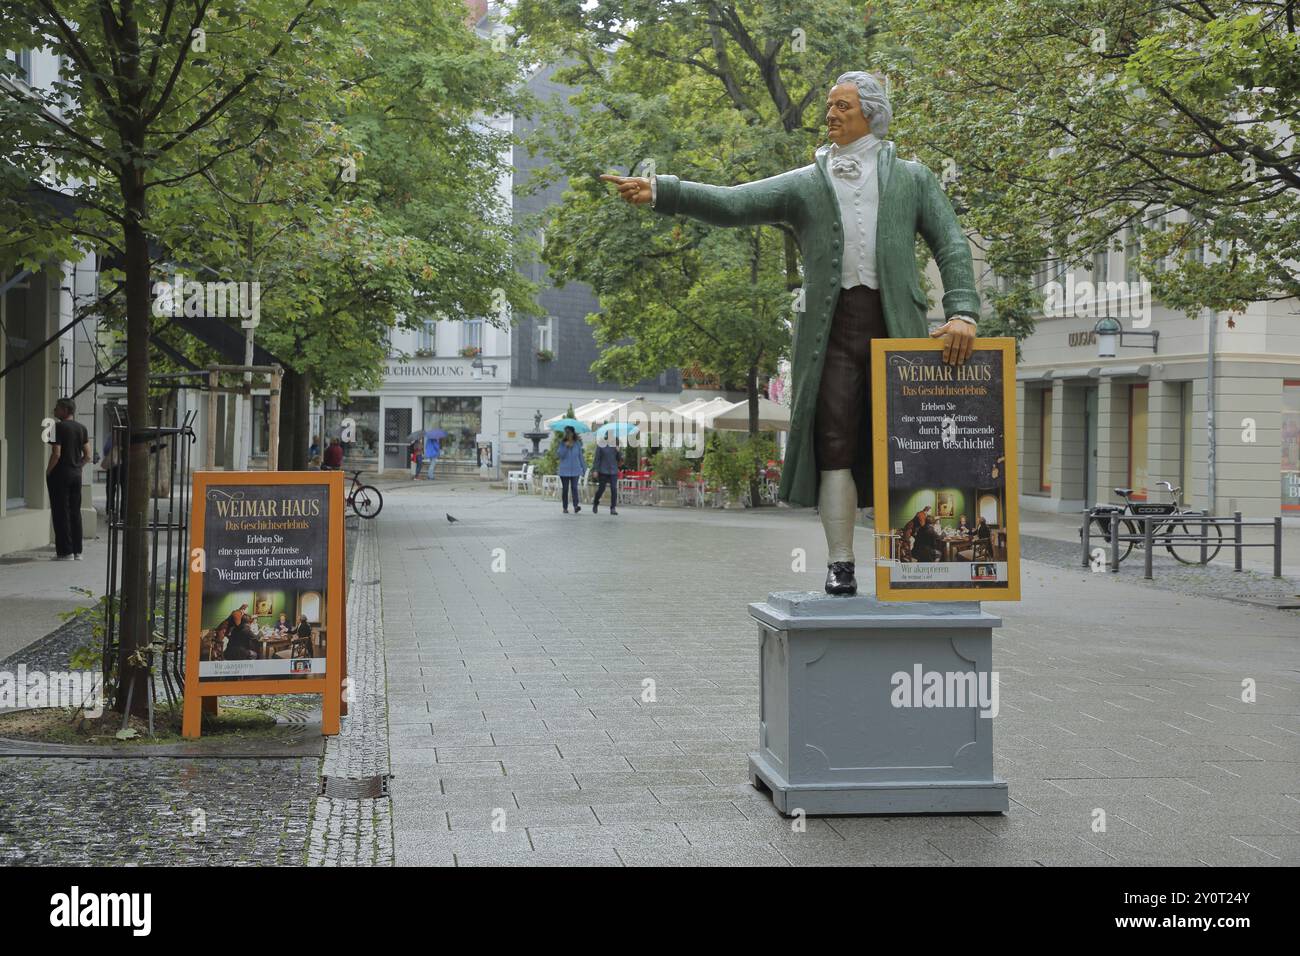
{"points": [[842, 428]]}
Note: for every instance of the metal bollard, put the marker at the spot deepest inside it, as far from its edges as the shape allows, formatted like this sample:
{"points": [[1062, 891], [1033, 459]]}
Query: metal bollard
{"points": [[1236, 536], [1277, 547], [1114, 544], [1147, 543]]}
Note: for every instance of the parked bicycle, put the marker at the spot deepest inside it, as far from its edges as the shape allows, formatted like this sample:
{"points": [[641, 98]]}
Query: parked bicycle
{"points": [[1183, 523], [365, 500]]}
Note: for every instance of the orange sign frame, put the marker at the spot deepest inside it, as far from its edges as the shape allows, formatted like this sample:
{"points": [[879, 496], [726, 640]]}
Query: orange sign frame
{"points": [[330, 686]]}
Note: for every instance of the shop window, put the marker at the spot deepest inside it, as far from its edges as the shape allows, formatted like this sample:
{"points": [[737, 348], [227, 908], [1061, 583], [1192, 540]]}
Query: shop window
{"points": [[461, 418], [1045, 440], [364, 413], [1138, 475]]}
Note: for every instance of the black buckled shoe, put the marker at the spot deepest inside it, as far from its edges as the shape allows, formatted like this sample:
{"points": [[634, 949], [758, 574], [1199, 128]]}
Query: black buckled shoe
{"points": [[840, 579]]}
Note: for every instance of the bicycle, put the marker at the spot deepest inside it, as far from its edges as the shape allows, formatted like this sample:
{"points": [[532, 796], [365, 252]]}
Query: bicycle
{"points": [[365, 500], [1106, 515]]}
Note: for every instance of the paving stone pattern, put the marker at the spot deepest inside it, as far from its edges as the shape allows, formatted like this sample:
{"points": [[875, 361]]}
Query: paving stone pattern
{"points": [[519, 642], [358, 832], [1215, 579]]}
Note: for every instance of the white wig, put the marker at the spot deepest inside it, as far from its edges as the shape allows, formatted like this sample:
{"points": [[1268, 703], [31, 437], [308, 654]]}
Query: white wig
{"points": [[871, 95]]}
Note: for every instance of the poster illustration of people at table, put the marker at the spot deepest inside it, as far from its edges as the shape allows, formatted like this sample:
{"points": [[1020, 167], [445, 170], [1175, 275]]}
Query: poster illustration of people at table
{"points": [[265, 592], [946, 491]]}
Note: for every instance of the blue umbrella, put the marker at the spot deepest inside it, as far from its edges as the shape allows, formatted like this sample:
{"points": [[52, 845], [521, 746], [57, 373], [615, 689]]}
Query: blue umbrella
{"points": [[573, 423], [436, 433], [621, 429]]}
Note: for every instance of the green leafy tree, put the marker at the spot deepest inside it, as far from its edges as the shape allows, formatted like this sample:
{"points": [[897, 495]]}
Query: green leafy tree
{"points": [[1066, 125]]}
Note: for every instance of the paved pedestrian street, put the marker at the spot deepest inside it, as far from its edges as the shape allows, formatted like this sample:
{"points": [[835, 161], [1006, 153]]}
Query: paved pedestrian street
{"points": [[582, 690]]}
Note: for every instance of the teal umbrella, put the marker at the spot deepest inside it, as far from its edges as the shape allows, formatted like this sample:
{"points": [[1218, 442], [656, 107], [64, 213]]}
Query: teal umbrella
{"points": [[573, 423], [620, 429]]}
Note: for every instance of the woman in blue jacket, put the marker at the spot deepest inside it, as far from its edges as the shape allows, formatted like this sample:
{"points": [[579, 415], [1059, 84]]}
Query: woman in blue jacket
{"points": [[572, 464]]}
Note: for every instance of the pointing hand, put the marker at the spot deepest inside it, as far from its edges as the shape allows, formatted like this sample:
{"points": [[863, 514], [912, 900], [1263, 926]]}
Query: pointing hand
{"points": [[633, 189]]}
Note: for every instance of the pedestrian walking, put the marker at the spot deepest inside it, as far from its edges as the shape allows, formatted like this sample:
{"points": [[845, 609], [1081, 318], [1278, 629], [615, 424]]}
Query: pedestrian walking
{"points": [[432, 449], [113, 463], [572, 464], [606, 465], [415, 451], [69, 452]]}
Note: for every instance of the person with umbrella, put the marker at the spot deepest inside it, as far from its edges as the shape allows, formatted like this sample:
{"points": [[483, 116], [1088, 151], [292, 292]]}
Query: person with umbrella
{"points": [[607, 462], [432, 448], [572, 464]]}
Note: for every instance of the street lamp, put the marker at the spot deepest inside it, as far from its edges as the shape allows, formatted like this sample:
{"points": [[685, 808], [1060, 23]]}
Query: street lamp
{"points": [[1110, 332], [477, 367]]}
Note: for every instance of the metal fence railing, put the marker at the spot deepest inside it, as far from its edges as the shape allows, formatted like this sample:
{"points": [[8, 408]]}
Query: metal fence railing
{"points": [[1201, 535]]}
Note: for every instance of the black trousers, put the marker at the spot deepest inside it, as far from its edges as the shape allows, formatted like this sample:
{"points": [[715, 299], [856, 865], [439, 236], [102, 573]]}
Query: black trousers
{"points": [[116, 488], [601, 482], [64, 484], [842, 427], [567, 482]]}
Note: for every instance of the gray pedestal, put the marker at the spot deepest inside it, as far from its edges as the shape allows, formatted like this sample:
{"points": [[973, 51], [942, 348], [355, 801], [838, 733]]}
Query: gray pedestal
{"points": [[832, 739]]}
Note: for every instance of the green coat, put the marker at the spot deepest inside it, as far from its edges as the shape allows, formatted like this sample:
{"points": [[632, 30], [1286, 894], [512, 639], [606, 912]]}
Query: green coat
{"points": [[911, 201]]}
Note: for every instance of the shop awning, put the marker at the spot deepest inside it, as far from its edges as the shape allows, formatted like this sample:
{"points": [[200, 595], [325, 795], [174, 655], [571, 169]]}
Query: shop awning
{"points": [[1127, 371]]}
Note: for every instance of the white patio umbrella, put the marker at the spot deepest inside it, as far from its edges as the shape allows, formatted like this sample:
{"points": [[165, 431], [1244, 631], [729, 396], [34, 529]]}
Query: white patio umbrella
{"points": [[772, 417]]}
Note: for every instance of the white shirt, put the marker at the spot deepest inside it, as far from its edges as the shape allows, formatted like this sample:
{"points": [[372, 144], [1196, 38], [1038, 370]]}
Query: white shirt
{"points": [[859, 197]]}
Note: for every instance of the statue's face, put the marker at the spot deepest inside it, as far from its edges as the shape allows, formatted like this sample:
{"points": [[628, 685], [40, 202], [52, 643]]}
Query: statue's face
{"points": [[844, 119]]}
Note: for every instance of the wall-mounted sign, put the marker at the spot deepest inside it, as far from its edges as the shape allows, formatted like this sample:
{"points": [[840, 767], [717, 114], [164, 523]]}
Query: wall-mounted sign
{"points": [[1077, 339], [435, 370], [946, 492], [266, 601]]}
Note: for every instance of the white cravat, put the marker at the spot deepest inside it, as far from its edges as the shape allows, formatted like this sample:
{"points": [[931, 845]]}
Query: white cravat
{"points": [[853, 172]]}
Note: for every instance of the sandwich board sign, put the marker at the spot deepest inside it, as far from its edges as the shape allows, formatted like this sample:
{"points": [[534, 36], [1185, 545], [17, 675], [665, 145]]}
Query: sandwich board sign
{"points": [[946, 487], [266, 590]]}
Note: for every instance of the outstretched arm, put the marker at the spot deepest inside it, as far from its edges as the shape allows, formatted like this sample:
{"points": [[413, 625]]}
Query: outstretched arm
{"points": [[749, 204]]}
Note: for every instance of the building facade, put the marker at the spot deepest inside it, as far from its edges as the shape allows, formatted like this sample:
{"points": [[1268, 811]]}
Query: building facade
{"points": [[1211, 405], [39, 365]]}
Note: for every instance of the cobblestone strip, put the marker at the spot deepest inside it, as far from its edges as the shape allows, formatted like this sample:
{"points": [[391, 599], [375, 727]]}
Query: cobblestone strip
{"points": [[358, 832]]}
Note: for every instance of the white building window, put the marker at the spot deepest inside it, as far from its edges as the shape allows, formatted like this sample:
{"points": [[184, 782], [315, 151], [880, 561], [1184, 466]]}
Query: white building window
{"points": [[1101, 265], [426, 340], [24, 60], [546, 335], [471, 335], [1132, 254]]}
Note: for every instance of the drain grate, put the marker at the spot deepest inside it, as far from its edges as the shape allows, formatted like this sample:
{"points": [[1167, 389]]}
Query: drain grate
{"points": [[355, 788]]}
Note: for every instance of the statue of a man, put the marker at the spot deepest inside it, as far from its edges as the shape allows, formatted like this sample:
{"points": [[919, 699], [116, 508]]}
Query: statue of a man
{"points": [[855, 211]]}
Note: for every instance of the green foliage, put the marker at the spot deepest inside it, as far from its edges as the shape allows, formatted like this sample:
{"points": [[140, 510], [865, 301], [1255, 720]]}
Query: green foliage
{"points": [[1067, 125], [671, 466], [725, 465]]}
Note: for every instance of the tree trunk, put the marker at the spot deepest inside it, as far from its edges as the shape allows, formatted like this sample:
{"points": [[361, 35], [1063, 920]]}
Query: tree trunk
{"points": [[135, 628], [295, 420]]}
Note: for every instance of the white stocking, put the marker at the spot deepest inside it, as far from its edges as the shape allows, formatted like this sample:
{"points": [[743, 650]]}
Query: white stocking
{"points": [[837, 500]]}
